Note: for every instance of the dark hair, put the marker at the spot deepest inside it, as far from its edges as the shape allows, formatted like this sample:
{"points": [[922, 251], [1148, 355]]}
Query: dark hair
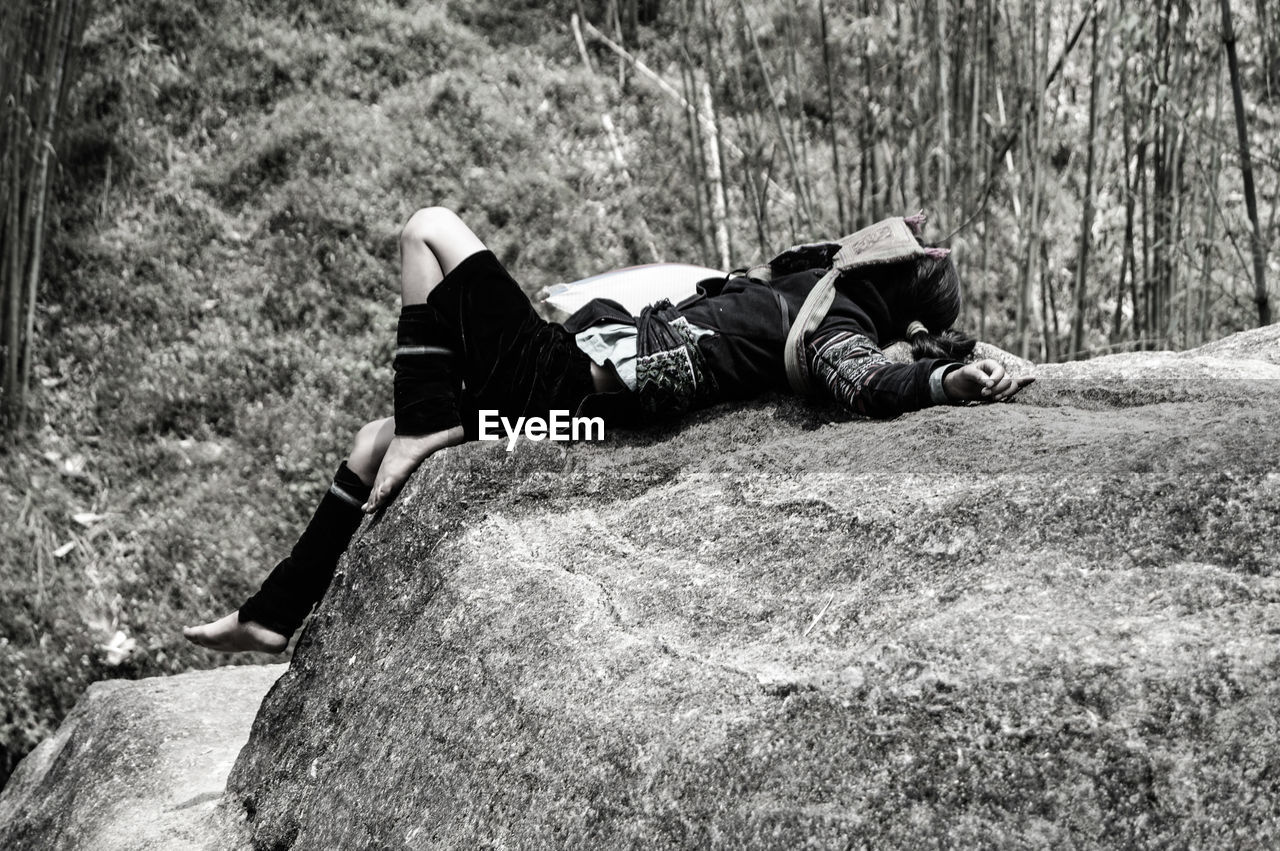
{"points": [[934, 300], [950, 345]]}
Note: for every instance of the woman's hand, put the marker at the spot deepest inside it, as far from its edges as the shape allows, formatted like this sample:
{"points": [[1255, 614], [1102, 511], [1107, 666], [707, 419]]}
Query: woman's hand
{"points": [[982, 381]]}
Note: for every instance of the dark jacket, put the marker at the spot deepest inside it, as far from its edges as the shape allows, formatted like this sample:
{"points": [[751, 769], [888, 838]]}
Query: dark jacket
{"points": [[751, 319]]}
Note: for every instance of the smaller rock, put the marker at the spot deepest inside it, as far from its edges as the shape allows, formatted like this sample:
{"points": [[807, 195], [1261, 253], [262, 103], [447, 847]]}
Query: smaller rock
{"points": [[136, 765]]}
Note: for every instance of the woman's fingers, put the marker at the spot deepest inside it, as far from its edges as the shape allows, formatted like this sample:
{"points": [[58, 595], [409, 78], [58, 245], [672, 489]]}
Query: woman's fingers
{"points": [[1016, 384], [990, 382], [995, 375], [1020, 383], [977, 378]]}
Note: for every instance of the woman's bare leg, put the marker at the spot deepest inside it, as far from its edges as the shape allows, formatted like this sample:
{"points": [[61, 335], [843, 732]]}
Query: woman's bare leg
{"points": [[434, 241], [229, 633], [369, 446]]}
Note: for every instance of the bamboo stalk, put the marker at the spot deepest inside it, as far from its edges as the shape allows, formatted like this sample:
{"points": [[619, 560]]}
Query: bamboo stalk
{"points": [[975, 67], [1007, 144], [1175, 234], [1227, 228], [787, 146], [1117, 316], [796, 83], [60, 47], [1035, 117], [1106, 133], [21, 134], [756, 201], [1270, 69], [12, 289], [1211, 189], [696, 163], [1054, 333], [15, 253], [837, 173], [617, 31], [1022, 294], [1148, 154], [943, 117], [868, 178], [1246, 169], [1086, 214], [707, 121], [719, 202], [1178, 46], [715, 138], [606, 120]]}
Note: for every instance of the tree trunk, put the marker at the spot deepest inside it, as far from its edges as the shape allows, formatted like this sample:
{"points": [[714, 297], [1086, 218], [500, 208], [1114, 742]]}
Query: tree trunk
{"points": [[1211, 202], [1270, 54], [1148, 286], [943, 101], [1049, 306], [797, 176], [1086, 216], [59, 48], [715, 177], [1246, 170], [1126, 249], [837, 174], [12, 289]]}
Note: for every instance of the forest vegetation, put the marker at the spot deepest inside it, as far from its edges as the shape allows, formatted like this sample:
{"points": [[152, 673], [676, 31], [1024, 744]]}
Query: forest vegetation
{"points": [[201, 202]]}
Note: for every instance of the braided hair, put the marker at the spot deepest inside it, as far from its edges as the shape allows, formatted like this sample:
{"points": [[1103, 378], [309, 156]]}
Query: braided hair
{"points": [[933, 301]]}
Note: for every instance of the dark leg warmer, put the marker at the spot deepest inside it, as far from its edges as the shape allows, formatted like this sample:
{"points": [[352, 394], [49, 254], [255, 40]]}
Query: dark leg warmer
{"points": [[298, 583], [426, 387]]}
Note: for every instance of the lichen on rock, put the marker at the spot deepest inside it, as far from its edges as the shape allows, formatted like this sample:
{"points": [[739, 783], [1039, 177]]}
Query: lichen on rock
{"points": [[1042, 623], [1049, 623], [136, 766]]}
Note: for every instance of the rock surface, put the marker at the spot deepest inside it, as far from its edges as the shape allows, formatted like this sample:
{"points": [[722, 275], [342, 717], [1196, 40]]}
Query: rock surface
{"points": [[136, 766], [1047, 623], [1051, 623]]}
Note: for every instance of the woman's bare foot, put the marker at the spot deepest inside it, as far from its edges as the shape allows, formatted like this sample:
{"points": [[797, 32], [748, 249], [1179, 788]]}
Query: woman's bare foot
{"points": [[403, 456], [231, 635]]}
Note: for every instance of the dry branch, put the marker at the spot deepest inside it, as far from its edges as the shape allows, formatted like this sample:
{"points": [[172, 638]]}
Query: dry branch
{"points": [[705, 119]]}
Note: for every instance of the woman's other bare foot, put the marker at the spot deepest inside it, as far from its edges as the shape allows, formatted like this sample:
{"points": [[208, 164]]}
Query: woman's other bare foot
{"points": [[231, 635], [403, 456]]}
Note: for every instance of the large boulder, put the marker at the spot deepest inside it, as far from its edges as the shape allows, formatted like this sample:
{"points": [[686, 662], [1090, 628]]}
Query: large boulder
{"points": [[1046, 623], [136, 766]]}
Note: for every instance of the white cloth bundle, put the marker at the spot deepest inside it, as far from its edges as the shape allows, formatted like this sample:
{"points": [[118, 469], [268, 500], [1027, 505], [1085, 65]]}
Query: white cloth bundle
{"points": [[635, 287]]}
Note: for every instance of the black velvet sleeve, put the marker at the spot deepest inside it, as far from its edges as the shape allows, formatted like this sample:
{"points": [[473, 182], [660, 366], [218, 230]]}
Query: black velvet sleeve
{"points": [[858, 376]]}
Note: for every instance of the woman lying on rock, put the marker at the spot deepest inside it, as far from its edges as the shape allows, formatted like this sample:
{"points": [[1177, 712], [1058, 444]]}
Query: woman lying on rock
{"points": [[812, 321]]}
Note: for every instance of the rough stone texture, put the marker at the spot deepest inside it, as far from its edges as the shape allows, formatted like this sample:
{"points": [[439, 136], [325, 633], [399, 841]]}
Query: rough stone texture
{"points": [[1047, 623], [136, 766]]}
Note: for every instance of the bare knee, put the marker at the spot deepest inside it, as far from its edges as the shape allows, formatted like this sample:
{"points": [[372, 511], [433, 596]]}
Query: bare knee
{"points": [[425, 223], [444, 236]]}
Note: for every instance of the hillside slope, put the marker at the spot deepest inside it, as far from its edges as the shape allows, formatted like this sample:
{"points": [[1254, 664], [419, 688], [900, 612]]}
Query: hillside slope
{"points": [[222, 292]]}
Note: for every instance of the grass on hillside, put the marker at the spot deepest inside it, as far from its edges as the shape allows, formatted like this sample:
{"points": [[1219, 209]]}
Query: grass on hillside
{"points": [[223, 292]]}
